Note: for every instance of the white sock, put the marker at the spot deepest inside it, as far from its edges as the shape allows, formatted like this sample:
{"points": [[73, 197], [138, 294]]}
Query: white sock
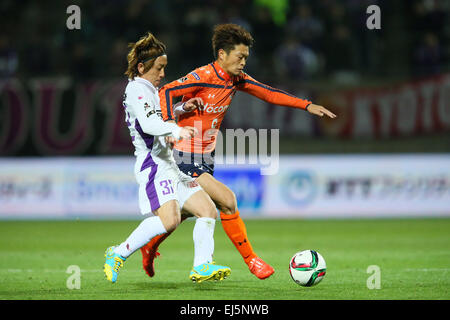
{"points": [[203, 240], [147, 230]]}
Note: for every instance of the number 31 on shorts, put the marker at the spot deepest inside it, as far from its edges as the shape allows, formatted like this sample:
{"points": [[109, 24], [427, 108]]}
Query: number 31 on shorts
{"points": [[167, 185]]}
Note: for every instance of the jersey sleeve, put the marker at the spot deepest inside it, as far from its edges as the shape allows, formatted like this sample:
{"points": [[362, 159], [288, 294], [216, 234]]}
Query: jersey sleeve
{"points": [[144, 110], [269, 94], [186, 85]]}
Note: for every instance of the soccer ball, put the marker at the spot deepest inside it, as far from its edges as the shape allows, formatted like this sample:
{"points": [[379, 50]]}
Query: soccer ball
{"points": [[307, 268]]}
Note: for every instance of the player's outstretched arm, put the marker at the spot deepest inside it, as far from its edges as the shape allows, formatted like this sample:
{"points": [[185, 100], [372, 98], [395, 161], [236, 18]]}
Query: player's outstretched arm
{"points": [[320, 111], [279, 97]]}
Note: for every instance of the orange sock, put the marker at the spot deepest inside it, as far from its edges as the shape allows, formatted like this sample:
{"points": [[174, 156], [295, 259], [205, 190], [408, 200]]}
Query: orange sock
{"points": [[235, 229]]}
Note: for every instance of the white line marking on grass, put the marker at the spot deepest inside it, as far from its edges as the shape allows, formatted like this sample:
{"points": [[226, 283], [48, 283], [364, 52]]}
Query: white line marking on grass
{"points": [[82, 270], [44, 270], [427, 270]]}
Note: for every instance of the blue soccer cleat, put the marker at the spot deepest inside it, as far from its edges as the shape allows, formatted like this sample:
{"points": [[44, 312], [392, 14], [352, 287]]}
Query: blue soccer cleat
{"points": [[209, 271], [112, 265]]}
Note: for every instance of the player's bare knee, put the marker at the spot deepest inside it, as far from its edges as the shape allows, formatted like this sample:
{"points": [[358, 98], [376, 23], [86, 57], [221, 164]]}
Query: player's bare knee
{"points": [[207, 209], [172, 222], [172, 226], [228, 203], [212, 211]]}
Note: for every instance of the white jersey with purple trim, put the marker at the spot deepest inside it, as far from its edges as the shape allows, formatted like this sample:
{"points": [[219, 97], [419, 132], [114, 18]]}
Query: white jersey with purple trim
{"points": [[156, 171], [144, 120]]}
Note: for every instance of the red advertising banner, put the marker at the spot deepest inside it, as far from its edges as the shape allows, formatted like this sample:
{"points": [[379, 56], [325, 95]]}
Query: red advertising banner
{"points": [[56, 116], [407, 109]]}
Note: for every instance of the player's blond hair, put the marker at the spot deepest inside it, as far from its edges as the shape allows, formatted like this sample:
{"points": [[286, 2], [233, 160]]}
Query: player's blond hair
{"points": [[145, 51]]}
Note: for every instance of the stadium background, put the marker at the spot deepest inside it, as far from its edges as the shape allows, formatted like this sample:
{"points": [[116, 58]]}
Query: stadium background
{"points": [[66, 152], [62, 91]]}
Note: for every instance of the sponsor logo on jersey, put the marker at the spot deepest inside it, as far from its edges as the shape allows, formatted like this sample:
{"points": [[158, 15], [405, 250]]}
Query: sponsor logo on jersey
{"points": [[211, 108], [146, 107]]}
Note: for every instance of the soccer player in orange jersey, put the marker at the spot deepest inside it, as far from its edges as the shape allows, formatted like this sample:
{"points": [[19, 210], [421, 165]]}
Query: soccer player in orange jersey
{"points": [[206, 94]]}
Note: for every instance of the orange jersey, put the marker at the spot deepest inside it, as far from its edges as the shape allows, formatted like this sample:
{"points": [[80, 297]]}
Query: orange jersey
{"points": [[217, 89]]}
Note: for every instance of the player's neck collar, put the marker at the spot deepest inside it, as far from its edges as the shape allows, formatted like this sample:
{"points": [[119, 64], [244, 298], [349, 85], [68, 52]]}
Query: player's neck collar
{"points": [[146, 82], [221, 74]]}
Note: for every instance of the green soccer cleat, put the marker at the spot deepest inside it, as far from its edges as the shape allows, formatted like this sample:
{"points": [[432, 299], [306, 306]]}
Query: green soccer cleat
{"points": [[209, 271], [112, 265]]}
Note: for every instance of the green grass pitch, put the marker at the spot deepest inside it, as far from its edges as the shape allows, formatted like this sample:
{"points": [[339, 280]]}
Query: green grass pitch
{"points": [[413, 256]]}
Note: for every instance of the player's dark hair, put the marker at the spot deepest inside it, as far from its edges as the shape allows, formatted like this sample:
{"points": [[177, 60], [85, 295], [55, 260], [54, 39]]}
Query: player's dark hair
{"points": [[145, 51], [226, 36]]}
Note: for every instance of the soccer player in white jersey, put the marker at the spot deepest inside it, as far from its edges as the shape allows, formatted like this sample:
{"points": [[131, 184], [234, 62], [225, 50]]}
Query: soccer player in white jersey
{"points": [[163, 188]]}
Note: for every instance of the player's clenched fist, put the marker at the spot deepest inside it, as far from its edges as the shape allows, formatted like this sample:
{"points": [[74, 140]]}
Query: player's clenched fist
{"points": [[193, 104], [188, 132]]}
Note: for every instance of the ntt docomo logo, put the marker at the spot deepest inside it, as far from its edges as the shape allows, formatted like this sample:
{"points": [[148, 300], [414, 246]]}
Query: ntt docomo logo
{"points": [[215, 109]]}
